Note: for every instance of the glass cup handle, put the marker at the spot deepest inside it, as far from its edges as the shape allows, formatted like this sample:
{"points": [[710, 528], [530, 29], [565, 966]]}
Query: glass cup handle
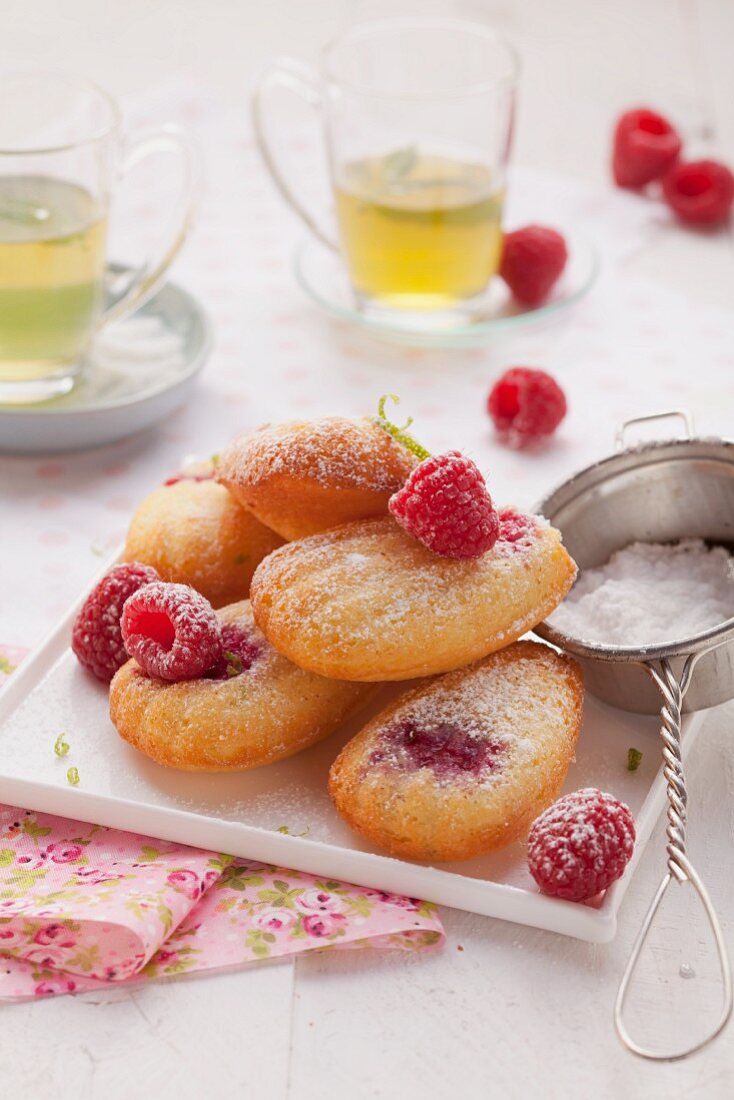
{"points": [[304, 81], [147, 280]]}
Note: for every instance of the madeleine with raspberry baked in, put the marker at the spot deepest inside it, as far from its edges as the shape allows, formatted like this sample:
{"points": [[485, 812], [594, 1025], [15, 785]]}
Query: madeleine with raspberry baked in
{"points": [[207, 692], [461, 765]]}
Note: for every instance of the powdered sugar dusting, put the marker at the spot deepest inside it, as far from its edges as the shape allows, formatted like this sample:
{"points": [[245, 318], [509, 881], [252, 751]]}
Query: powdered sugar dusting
{"points": [[650, 594], [465, 727], [369, 582], [334, 451]]}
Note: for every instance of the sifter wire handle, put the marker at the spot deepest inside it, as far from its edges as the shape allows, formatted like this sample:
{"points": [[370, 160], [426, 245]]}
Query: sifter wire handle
{"points": [[680, 869], [620, 436]]}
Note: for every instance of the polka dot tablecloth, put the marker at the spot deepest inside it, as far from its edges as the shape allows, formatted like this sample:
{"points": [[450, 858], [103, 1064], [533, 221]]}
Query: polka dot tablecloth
{"points": [[627, 349]]}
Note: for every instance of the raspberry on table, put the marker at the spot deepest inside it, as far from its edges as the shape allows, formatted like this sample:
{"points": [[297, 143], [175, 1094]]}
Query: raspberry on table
{"points": [[171, 631], [533, 259], [581, 844], [700, 192], [526, 405], [446, 506], [645, 147], [96, 637]]}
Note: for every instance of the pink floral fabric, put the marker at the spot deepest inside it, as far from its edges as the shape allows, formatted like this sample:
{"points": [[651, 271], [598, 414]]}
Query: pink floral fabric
{"points": [[83, 906]]}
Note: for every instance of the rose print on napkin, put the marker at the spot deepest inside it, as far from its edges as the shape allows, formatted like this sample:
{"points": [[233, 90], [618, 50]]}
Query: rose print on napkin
{"points": [[90, 900], [83, 906]]}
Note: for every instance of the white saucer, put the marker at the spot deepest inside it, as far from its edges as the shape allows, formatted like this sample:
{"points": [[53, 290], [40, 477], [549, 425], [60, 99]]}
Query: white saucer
{"points": [[321, 273], [137, 372]]}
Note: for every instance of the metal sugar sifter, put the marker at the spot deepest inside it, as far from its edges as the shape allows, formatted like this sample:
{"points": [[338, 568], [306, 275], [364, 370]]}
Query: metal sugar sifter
{"points": [[655, 492]]}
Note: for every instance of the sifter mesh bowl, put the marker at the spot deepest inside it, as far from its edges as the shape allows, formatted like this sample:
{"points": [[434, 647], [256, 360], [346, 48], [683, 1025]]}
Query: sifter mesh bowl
{"points": [[658, 492]]}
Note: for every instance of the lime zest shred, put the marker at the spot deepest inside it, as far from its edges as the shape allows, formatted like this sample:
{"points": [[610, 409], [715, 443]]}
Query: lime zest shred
{"points": [[61, 747], [634, 756], [400, 434], [234, 663], [287, 832]]}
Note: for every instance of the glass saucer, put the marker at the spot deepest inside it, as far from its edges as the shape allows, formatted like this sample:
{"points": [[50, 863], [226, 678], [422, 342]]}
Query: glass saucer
{"points": [[137, 372], [321, 274]]}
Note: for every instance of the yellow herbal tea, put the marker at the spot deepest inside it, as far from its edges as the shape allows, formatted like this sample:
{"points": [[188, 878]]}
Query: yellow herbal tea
{"points": [[419, 231], [52, 259]]}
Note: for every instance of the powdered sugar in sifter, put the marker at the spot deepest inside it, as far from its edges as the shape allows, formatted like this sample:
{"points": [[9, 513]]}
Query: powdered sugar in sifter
{"points": [[657, 492]]}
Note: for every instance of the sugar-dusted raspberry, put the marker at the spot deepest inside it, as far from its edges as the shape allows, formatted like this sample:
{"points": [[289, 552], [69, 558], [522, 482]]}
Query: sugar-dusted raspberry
{"points": [[533, 259], [240, 650], [96, 636], [646, 146], [526, 406], [445, 504], [171, 631], [700, 192], [581, 844]]}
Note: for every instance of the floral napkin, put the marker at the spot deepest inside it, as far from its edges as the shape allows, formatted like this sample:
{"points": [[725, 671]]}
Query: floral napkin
{"points": [[83, 906]]}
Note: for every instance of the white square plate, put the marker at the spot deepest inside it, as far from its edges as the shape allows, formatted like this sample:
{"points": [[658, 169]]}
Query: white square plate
{"points": [[242, 813]]}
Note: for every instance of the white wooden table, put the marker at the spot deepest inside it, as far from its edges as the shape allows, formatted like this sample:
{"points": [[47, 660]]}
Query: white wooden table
{"points": [[504, 1011]]}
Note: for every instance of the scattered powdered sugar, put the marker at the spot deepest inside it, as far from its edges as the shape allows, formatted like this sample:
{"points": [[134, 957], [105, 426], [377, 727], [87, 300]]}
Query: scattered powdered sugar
{"points": [[650, 594]]}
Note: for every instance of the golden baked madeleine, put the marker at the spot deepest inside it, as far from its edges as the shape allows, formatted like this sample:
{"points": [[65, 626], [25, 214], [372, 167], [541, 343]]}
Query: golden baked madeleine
{"points": [[305, 476], [464, 763], [366, 601], [194, 532]]}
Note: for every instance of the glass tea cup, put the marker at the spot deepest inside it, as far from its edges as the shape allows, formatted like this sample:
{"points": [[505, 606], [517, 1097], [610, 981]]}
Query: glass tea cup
{"points": [[61, 154], [418, 118]]}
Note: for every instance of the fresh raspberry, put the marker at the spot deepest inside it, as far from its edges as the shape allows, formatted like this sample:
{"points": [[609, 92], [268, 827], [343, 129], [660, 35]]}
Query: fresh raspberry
{"points": [[445, 504], [171, 631], [581, 844], [96, 637], [700, 192], [646, 146], [526, 405], [532, 260]]}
